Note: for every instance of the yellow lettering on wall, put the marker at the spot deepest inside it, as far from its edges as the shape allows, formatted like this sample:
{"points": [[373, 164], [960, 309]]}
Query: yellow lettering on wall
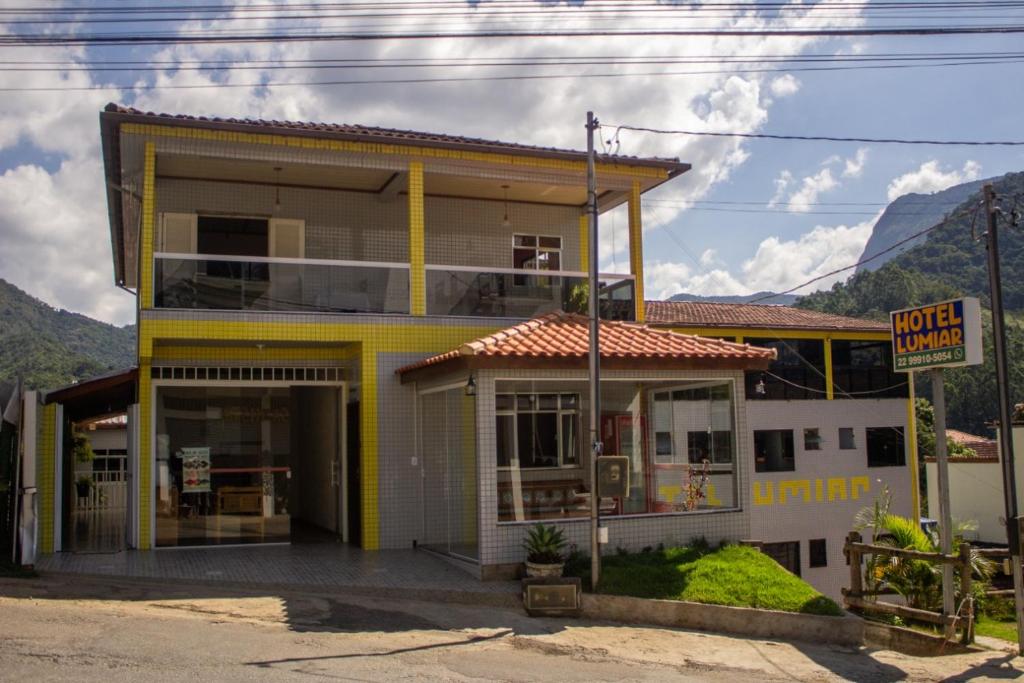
{"points": [[819, 490], [765, 496], [669, 493], [858, 484], [713, 500], [836, 489], [793, 488]]}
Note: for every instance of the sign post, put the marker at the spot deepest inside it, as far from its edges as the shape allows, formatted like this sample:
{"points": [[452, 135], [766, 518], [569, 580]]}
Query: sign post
{"points": [[933, 337]]}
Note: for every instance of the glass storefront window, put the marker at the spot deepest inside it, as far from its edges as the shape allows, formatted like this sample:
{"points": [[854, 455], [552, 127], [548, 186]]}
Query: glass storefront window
{"points": [[222, 465], [679, 438]]}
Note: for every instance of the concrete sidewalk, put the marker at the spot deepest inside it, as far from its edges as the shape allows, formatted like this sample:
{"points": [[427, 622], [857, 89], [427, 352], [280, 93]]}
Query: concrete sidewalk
{"points": [[465, 642], [314, 566]]}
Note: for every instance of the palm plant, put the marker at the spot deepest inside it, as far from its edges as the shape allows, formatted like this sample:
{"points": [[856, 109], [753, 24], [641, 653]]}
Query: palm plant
{"points": [[544, 544], [918, 581]]}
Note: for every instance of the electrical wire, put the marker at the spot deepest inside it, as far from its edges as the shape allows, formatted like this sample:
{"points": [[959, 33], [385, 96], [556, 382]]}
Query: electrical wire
{"points": [[822, 138]]}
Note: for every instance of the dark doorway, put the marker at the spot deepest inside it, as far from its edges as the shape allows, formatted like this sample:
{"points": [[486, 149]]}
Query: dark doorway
{"points": [[354, 499]]}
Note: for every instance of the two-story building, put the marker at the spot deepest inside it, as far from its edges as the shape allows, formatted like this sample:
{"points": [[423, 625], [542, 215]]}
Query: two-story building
{"points": [[372, 334]]}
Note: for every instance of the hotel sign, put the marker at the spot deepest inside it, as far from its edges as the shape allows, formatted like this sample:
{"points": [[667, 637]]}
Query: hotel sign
{"points": [[946, 334]]}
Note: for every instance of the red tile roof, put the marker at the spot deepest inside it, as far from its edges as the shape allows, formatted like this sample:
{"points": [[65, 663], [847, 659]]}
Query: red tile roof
{"points": [[565, 336], [706, 314], [984, 448], [388, 135]]}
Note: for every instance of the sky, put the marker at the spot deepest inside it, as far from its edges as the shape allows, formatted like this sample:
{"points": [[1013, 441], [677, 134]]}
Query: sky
{"points": [[751, 215]]}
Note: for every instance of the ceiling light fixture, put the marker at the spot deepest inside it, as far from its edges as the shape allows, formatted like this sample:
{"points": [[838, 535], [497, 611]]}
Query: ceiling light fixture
{"points": [[505, 222], [277, 189]]}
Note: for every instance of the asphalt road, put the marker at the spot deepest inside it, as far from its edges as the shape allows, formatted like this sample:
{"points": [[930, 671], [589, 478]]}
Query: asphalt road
{"points": [[89, 630]]}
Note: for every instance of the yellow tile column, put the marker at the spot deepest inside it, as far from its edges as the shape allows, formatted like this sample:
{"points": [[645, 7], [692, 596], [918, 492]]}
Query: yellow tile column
{"points": [[368, 465], [584, 242], [46, 475], [636, 248], [829, 380], [417, 275], [148, 223], [145, 478], [915, 473]]}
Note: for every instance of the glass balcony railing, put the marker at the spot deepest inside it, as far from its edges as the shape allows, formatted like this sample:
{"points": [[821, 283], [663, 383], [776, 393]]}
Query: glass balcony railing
{"points": [[246, 283], [459, 291]]}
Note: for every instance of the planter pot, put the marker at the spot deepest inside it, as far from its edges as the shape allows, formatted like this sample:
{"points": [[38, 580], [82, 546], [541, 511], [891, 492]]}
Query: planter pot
{"points": [[543, 570]]}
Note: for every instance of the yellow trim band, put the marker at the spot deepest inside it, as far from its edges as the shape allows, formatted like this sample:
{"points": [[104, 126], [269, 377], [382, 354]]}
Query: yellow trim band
{"points": [[830, 387], [145, 287], [304, 142]]}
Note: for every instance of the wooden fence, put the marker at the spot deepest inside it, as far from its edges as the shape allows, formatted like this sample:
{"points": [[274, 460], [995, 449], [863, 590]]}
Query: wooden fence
{"points": [[855, 595]]}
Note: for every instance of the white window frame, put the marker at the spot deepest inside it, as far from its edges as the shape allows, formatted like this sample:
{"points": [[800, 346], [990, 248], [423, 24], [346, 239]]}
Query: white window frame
{"points": [[559, 412], [681, 452], [538, 250]]}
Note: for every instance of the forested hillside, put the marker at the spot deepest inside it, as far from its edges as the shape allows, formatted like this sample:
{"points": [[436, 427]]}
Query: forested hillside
{"points": [[950, 263], [49, 347]]}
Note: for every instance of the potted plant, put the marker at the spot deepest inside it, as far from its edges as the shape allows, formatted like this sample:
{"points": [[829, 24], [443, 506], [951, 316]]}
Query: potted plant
{"points": [[544, 545], [84, 484], [81, 448]]}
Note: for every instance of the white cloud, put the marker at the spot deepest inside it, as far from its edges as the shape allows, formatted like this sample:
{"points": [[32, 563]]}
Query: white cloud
{"points": [[785, 85], [854, 168], [777, 265], [810, 188], [73, 266], [782, 184], [930, 177], [780, 265]]}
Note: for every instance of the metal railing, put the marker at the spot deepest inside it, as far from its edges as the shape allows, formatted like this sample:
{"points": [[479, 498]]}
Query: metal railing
{"points": [[512, 293], [253, 283]]}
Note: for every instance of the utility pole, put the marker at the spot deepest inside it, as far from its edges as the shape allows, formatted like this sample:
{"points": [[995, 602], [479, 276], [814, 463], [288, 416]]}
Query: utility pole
{"points": [[945, 516], [995, 287], [594, 356]]}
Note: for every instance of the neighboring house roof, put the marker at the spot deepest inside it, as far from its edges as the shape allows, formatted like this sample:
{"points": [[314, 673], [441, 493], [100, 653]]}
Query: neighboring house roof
{"points": [[985, 448], [559, 340], [707, 314]]}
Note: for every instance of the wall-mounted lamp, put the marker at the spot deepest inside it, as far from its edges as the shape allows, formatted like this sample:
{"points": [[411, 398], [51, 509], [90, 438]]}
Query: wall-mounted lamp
{"points": [[471, 386], [505, 222], [277, 189]]}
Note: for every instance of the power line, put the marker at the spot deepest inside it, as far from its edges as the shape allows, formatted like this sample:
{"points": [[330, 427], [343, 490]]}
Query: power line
{"points": [[516, 77], [822, 138], [204, 37], [866, 260]]}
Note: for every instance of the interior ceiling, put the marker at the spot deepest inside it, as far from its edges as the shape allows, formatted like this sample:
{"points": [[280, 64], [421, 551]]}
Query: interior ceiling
{"points": [[365, 179]]}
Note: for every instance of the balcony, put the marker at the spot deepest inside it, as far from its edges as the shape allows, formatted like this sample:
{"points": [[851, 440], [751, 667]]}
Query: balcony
{"points": [[509, 293], [250, 283]]}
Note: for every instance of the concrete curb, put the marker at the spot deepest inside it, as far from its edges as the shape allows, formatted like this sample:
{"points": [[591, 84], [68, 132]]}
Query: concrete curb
{"points": [[758, 623], [511, 600]]}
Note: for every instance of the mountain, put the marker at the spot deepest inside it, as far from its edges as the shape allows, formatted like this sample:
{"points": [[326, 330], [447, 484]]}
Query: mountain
{"points": [[908, 215], [950, 263], [760, 297], [49, 347]]}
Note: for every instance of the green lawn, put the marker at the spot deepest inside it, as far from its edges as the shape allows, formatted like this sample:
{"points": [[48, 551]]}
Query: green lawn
{"points": [[996, 628], [734, 575]]}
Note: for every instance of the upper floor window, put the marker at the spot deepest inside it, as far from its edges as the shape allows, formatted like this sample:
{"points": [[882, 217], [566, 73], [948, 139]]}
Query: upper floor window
{"points": [[773, 450], [863, 369], [885, 447], [184, 233], [536, 252], [798, 372]]}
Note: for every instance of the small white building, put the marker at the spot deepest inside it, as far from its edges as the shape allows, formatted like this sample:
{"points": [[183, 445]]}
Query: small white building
{"points": [[976, 485]]}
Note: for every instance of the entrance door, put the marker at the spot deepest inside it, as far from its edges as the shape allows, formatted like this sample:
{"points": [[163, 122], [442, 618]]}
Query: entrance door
{"points": [[319, 455]]}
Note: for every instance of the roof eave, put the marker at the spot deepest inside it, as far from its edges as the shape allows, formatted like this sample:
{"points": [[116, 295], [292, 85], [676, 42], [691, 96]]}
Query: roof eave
{"points": [[462, 364], [673, 167], [110, 142]]}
